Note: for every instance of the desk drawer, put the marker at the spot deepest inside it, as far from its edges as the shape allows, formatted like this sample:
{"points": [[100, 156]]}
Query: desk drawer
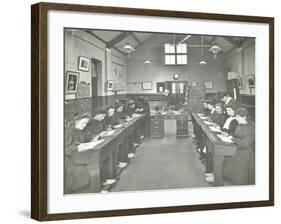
{"points": [[157, 133], [157, 122], [182, 128]]}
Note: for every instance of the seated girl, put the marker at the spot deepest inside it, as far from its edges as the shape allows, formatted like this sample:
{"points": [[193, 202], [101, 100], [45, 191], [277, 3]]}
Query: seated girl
{"points": [[119, 112], [240, 167], [111, 120], [131, 109], [218, 116], [75, 175], [231, 122], [96, 125], [205, 108]]}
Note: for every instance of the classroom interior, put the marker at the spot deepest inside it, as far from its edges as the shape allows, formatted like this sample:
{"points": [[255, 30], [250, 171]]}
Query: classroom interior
{"points": [[167, 141]]}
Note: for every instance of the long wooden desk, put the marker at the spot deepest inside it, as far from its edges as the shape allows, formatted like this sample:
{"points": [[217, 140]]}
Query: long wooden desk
{"points": [[215, 147], [102, 161], [157, 129]]}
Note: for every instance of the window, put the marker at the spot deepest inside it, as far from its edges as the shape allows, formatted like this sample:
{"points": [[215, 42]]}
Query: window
{"points": [[175, 54], [173, 88], [181, 89]]}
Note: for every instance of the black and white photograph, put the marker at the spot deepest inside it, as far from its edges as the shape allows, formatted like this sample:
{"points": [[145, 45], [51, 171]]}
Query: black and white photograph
{"points": [[178, 116], [72, 79], [83, 64]]}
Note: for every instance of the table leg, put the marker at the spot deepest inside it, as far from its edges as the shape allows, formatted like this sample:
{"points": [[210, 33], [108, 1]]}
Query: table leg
{"points": [[218, 176], [94, 172]]}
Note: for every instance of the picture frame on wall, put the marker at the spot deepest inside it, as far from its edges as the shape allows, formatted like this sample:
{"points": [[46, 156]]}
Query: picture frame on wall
{"points": [[83, 64], [239, 83], [72, 81], [160, 87], [193, 83], [109, 85], [251, 81], [147, 85], [208, 84], [49, 84]]}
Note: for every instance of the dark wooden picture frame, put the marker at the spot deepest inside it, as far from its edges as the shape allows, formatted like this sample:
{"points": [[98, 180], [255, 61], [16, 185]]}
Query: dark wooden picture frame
{"points": [[39, 109], [71, 87], [81, 65], [251, 81]]}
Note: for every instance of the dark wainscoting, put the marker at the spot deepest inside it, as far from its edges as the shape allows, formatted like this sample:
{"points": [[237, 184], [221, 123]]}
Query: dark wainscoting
{"points": [[71, 107], [150, 96], [89, 105]]}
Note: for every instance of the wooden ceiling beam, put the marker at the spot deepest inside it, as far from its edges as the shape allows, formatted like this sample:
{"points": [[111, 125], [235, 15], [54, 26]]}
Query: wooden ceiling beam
{"points": [[233, 42], [117, 39], [135, 37], [94, 35], [212, 40]]}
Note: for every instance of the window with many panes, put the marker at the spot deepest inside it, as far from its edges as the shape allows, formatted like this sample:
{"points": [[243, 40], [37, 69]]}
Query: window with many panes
{"points": [[175, 54]]}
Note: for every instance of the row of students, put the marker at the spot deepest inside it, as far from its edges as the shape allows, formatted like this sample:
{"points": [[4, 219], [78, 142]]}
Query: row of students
{"points": [[233, 120], [84, 128]]}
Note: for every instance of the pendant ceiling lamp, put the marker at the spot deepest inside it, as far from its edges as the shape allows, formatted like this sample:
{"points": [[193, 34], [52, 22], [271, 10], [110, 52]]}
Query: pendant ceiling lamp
{"points": [[128, 47], [215, 49], [202, 62], [147, 61]]}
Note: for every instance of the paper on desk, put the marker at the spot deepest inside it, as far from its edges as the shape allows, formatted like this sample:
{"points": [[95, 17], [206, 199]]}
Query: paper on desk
{"points": [[207, 122], [108, 133], [136, 115], [226, 139], [89, 145], [215, 129]]}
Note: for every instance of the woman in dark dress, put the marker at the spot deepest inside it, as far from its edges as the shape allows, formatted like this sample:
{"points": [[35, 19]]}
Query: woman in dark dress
{"points": [[111, 120], [231, 122], [119, 111], [75, 175], [218, 116], [240, 168], [131, 109], [95, 126]]}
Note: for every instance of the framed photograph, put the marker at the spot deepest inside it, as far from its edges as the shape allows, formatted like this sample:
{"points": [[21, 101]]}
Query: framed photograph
{"points": [[193, 83], [251, 81], [83, 64], [109, 85], [160, 87], [208, 84], [239, 83], [77, 173], [72, 81], [146, 85]]}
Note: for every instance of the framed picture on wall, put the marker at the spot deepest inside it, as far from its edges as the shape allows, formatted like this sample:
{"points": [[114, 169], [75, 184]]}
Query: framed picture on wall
{"points": [[76, 174], [239, 83], [72, 80], [146, 85], [109, 85], [251, 81], [83, 64], [208, 84], [193, 83], [160, 87]]}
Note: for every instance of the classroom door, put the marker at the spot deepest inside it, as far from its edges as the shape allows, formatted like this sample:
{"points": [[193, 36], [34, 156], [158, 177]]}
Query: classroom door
{"points": [[96, 71], [176, 88]]}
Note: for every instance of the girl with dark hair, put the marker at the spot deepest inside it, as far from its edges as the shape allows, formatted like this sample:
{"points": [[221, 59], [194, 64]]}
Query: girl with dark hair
{"points": [[240, 167], [111, 120], [76, 175], [231, 122]]}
